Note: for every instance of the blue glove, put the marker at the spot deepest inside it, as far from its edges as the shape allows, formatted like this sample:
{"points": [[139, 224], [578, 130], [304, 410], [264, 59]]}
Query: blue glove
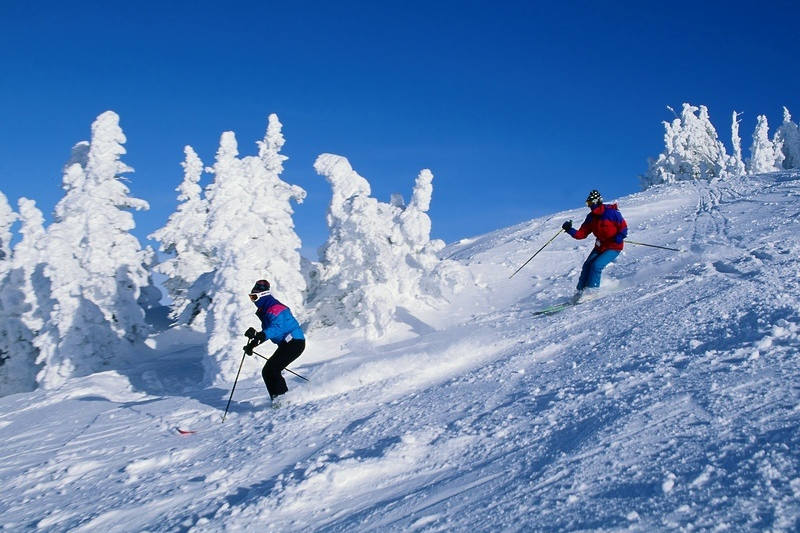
{"points": [[619, 238]]}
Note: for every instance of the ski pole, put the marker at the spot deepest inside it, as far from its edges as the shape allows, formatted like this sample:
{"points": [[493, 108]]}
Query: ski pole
{"points": [[652, 246], [234, 387], [537, 252], [287, 368]]}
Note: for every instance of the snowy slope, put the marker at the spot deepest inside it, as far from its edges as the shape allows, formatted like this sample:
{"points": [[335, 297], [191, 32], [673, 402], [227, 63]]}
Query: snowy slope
{"points": [[671, 402]]}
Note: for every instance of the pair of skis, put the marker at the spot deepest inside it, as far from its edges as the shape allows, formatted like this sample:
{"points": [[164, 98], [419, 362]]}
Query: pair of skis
{"points": [[572, 302], [555, 308]]}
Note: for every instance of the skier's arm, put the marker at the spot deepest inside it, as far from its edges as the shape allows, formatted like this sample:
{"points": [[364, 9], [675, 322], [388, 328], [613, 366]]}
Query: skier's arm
{"points": [[622, 231], [267, 322], [583, 231]]}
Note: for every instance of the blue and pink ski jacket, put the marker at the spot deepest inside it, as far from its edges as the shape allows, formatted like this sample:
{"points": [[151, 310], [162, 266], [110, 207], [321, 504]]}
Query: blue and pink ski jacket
{"points": [[607, 224], [277, 321]]}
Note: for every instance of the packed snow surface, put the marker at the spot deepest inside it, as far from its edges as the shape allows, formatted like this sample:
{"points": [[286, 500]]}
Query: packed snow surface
{"points": [[671, 402]]}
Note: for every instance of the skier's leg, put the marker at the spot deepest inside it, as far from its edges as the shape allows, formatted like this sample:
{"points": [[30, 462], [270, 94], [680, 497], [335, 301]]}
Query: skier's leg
{"points": [[587, 266], [287, 353], [273, 385], [283, 356], [597, 266]]}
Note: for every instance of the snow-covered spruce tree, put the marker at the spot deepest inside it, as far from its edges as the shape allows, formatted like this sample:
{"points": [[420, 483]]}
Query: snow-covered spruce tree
{"points": [[21, 319], [764, 155], [414, 220], [788, 138], [359, 281], [282, 262], [7, 334], [94, 265], [692, 150], [378, 256], [251, 233], [7, 219], [438, 278], [737, 161], [183, 237]]}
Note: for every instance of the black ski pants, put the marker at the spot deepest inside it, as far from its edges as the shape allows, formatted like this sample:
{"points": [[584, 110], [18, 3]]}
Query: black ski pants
{"points": [[283, 357]]}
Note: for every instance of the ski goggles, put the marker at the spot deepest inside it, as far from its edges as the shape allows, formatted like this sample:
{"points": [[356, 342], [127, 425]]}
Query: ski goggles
{"points": [[254, 296]]}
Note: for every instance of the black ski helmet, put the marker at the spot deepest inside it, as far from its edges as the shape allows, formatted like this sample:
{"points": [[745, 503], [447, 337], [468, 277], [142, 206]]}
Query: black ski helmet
{"points": [[594, 198], [261, 285]]}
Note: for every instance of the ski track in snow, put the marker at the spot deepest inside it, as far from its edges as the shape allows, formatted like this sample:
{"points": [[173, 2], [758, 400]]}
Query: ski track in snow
{"points": [[673, 402]]}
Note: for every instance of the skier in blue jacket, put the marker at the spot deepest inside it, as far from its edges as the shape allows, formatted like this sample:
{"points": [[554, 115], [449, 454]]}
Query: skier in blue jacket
{"points": [[278, 325]]}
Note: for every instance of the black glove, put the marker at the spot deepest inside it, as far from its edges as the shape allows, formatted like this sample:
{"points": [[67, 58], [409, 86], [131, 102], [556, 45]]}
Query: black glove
{"points": [[566, 226], [255, 340]]}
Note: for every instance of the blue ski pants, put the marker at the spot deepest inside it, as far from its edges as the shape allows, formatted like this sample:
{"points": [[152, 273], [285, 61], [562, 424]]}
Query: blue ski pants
{"points": [[593, 268]]}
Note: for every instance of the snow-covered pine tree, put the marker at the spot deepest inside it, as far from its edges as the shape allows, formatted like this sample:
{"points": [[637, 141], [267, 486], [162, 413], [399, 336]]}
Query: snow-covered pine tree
{"points": [[788, 137], [282, 262], [359, 281], [693, 150], [183, 237], [414, 220], [251, 233], [438, 278], [7, 336], [7, 219], [21, 319], [763, 153], [94, 265], [736, 166], [378, 256]]}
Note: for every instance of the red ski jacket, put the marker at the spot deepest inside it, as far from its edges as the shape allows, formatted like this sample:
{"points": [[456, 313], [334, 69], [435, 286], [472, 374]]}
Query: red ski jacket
{"points": [[607, 225]]}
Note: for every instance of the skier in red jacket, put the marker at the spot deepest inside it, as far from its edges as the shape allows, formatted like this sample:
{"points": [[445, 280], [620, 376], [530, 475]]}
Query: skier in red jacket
{"points": [[610, 229]]}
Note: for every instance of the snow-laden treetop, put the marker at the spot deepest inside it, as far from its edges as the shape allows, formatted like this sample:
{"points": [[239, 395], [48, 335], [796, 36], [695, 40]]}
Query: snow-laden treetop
{"points": [[693, 150]]}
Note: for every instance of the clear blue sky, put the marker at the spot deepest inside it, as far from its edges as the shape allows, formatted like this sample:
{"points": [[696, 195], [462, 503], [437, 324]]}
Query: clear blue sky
{"points": [[519, 108]]}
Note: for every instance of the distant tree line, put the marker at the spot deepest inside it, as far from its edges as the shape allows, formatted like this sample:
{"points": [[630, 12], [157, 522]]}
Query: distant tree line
{"points": [[693, 150]]}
